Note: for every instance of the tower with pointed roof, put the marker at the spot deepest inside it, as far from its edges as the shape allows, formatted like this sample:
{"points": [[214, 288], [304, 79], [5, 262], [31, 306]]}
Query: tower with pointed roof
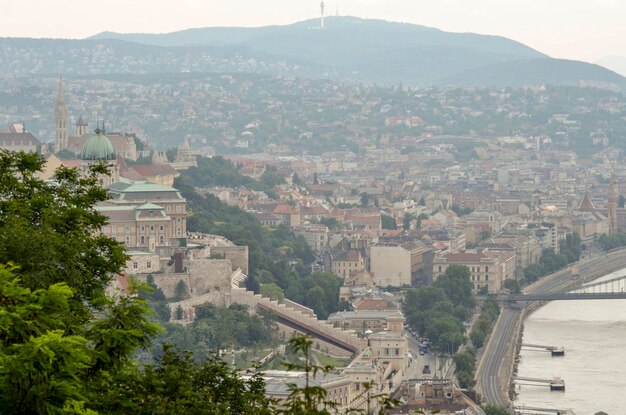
{"points": [[82, 128], [586, 205], [60, 133], [184, 156], [612, 211]]}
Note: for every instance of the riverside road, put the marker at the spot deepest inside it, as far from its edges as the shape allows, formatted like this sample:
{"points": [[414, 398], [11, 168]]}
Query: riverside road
{"points": [[491, 380]]}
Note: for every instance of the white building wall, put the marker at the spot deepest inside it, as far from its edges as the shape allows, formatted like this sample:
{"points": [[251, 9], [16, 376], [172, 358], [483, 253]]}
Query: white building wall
{"points": [[391, 265]]}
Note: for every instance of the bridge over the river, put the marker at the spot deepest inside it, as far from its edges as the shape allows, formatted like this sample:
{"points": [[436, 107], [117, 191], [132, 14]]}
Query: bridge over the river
{"points": [[612, 289]]}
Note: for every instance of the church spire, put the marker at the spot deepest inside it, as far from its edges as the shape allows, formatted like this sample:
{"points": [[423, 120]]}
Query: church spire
{"points": [[61, 93], [60, 133]]}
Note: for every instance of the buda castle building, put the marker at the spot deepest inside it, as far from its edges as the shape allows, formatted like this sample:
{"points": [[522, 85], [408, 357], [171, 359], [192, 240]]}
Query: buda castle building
{"points": [[147, 217]]}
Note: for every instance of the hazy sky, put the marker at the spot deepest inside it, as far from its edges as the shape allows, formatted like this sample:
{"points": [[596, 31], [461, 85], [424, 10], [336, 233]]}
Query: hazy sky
{"points": [[575, 29]]}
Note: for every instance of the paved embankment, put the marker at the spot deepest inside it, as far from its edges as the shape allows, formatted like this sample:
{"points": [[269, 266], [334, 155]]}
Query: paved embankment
{"points": [[496, 365]]}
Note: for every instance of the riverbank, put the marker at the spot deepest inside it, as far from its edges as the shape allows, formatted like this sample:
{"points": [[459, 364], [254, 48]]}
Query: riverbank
{"points": [[588, 270]]}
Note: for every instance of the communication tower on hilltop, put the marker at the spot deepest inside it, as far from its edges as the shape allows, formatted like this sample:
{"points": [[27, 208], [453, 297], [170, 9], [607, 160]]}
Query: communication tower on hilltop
{"points": [[322, 16]]}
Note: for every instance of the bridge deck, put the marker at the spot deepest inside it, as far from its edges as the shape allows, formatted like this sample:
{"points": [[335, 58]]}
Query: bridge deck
{"points": [[562, 296]]}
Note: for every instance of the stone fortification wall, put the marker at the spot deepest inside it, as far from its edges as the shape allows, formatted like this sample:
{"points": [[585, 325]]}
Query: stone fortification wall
{"points": [[295, 306], [242, 296], [238, 255], [202, 277]]}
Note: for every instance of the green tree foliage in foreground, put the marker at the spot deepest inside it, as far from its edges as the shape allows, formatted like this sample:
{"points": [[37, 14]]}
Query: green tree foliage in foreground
{"points": [[311, 399], [48, 230], [67, 348], [438, 311]]}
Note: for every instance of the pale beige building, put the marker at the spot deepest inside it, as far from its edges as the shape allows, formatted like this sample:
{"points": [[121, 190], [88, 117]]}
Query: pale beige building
{"points": [[345, 263], [145, 216], [364, 320], [316, 236], [392, 347], [487, 268]]}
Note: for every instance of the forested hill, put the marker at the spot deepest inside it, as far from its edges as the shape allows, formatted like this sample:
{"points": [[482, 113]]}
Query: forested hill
{"points": [[386, 52], [279, 262]]}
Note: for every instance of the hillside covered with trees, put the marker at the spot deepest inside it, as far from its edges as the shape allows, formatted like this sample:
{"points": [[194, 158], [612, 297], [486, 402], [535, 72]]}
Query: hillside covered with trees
{"points": [[66, 347]]}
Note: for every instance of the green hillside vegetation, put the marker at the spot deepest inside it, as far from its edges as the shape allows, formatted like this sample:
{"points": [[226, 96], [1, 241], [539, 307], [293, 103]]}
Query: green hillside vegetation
{"points": [[217, 171], [276, 256], [68, 348]]}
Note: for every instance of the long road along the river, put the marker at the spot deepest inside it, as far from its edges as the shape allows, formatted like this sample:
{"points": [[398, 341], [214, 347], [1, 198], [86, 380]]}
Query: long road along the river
{"points": [[491, 382]]}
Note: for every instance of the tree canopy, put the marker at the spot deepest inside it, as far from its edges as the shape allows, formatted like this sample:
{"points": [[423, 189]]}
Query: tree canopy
{"points": [[66, 347], [60, 335], [438, 311]]}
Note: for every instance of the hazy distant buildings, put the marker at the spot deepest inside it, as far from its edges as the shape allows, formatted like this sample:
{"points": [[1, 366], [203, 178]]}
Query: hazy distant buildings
{"points": [[16, 138]]}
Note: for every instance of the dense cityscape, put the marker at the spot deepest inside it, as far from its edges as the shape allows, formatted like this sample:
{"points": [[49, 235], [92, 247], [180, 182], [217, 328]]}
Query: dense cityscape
{"points": [[241, 237]]}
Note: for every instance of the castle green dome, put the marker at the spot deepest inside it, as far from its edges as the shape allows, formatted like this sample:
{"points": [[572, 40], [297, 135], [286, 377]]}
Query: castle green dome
{"points": [[98, 147]]}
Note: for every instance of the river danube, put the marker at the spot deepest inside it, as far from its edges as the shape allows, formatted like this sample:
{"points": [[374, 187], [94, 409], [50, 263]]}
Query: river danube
{"points": [[593, 334]]}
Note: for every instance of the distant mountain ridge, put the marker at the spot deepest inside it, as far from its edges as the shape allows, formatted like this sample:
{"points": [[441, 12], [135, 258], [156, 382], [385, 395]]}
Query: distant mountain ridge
{"points": [[349, 48], [614, 63], [388, 52]]}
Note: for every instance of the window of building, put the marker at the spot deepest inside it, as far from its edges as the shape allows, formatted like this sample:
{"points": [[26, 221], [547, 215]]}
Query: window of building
{"points": [[151, 228], [149, 264], [135, 265], [161, 228], [127, 239], [439, 268], [486, 268], [177, 220], [178, 208], [178, 231], [161, 239], [142, 240], [143, 228], [168, 208], [487, 277]]}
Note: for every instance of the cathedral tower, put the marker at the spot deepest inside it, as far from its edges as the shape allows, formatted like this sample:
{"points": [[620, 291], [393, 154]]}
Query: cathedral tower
{"points": [[60, 136], [612, 207]]}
